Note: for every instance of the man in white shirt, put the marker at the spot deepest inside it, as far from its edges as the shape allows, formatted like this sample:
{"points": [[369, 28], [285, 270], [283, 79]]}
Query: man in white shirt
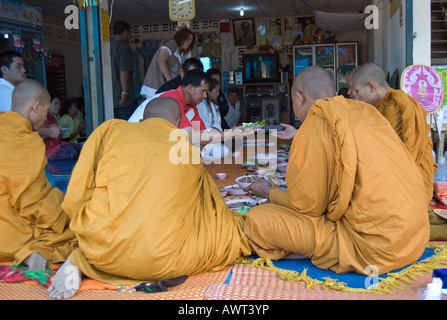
{"points": [[234, 110], [12, 72]]}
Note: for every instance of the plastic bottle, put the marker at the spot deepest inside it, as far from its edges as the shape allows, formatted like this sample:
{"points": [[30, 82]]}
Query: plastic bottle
{"points": [[434, 290], [441, 173]]}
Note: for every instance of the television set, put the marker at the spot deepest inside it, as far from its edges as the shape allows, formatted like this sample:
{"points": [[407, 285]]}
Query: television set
{"points": [[206, 61], [260, 67]]}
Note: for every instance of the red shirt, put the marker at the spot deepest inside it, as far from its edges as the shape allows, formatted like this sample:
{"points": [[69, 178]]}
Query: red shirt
{"points": [[190, 113]]}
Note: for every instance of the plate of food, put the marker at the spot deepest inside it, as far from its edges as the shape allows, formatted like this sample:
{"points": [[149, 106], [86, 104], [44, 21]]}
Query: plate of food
{"points": [[249, 163], [441, 212], [254, 125], [263, 168], [238, 203], [235, 190], [283, 157]]}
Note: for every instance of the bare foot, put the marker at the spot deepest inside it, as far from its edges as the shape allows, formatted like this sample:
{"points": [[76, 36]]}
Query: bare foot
{"points": [[35, 261], [66, 281]]}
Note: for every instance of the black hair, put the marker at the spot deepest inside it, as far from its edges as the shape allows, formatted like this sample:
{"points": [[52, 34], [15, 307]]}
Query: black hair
{"points": [[6, 57], [233, 90], [213, 71], [120, 26], [213, 84], [192, 63], [195, 77], [66, 104]]}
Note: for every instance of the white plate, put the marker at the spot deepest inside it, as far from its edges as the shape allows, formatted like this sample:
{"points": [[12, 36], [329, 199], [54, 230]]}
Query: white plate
{"points": [[237, 203]]}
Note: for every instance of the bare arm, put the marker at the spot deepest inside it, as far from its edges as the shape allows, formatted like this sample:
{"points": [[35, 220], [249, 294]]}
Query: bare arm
{"points": [[124, 79], [163, 63]]}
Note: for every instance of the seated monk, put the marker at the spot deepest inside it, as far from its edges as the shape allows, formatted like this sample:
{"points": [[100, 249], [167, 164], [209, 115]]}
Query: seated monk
{"points": [[139, 214], [355, 199], [407, 117], [33, 226]]}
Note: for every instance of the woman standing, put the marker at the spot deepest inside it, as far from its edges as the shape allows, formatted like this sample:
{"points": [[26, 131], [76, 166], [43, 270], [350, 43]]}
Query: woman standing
{"points": [[167, 61]]}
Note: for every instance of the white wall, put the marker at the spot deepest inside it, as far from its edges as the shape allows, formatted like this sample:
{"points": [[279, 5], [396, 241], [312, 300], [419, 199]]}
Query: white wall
{"points": [[389, 41], [422, 32]]}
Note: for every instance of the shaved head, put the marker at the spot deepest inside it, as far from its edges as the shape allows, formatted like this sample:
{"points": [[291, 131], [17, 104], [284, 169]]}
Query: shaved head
{"points": [[165, 108], [31, 100], [25, 92], [370, 71], [316, 82], [369, 83], [311, 84]]}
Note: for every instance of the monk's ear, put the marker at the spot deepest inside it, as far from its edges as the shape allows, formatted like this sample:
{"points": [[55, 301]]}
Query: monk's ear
{"points": [[372, 85]]}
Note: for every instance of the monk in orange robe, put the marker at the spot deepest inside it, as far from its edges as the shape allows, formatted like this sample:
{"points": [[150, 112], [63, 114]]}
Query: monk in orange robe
{"points": [[407, 117], [33, 226], [143, 206], [355, 200]]}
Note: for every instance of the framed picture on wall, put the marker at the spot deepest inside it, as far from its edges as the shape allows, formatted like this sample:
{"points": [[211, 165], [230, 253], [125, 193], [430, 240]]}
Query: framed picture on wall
{"points": [[270, 110], [244, 32], [270, 32]]}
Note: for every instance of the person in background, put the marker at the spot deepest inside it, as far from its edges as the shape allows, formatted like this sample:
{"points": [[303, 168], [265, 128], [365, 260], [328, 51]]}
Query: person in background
{"points": [[234, 113], [167, 61], [56, 148], [221, 101], [189, 64], [12, 73], [208, 110], [123, 68], [69, 120]]}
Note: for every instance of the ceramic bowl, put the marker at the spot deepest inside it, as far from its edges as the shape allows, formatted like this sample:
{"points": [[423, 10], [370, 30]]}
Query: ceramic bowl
{"points": [[245, 184], [282, 166], [221, 176], [223, 192], [236, 191]]}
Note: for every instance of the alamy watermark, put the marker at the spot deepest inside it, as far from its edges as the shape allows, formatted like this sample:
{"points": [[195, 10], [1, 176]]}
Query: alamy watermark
{"points": [[371, 20]]}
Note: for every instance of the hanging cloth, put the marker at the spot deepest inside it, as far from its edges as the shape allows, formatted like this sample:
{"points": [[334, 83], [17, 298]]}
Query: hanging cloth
{"points": [[340, 22]]}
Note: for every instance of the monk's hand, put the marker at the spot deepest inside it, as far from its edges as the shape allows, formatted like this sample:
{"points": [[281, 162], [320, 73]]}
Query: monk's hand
{"points": [[287, 134], [260, 188], [53, 132]]}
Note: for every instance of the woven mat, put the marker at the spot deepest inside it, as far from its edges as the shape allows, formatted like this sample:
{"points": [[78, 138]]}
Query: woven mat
{"points": [[193, 288], [251, 283]]}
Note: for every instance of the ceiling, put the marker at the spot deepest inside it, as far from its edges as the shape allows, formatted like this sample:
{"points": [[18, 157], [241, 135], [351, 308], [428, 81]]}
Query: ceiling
{"points": [[142, 12]]}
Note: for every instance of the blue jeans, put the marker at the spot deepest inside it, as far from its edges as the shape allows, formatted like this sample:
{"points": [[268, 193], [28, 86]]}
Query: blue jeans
{"points": [[125, 112]]}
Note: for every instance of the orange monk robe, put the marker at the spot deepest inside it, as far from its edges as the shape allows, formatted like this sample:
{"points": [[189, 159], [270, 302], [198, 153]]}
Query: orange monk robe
{"points": [[354, 199], [140, 216], [31, 217], [409, 119]]}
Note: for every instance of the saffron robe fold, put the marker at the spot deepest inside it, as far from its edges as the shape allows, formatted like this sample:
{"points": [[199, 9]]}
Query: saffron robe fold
{"points": [[31, 217], [355, 198], [409, 119], [141, 215]]}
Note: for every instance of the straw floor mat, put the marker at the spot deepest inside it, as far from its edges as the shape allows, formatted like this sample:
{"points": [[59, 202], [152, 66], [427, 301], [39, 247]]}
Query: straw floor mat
{"points": [[192, 289]]}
